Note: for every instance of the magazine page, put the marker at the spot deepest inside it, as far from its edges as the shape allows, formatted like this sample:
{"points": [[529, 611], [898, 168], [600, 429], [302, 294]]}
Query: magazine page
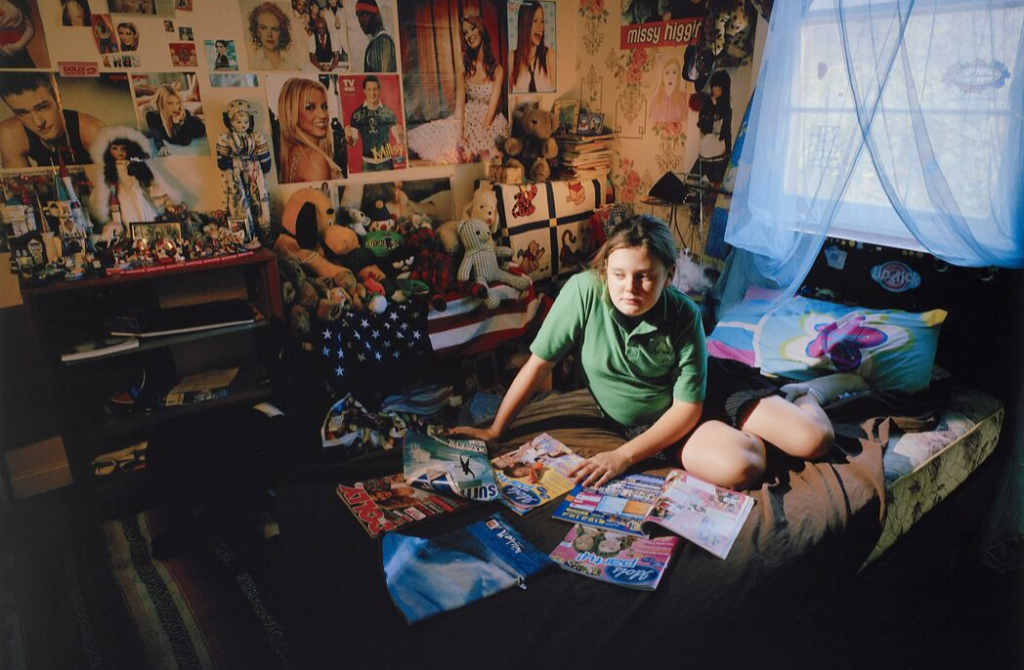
{"points": [[619, 505], [616, 558], [534, 474], [428, 576], [449, 466], [707, 515], [386, 503]]}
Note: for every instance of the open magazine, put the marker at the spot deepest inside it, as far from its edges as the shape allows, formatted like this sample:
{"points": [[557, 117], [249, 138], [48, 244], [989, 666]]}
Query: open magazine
{"points": [[535, 473], [386, 503], [449, 466], [707, 515], [617, 558], [428, 576], [619, 505]]}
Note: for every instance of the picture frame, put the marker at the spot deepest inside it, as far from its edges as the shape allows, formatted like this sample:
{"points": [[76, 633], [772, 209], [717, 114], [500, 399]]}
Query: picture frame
{"points": [[583, 123], [566, 114], [596, 123], [151, 231], [241, 229]]}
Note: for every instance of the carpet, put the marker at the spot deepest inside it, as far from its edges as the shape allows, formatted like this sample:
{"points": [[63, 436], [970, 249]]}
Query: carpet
{"points": [[89, 595]]}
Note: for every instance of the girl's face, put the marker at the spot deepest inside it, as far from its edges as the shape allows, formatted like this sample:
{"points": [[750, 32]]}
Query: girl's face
{"points": [[172, 107], [471, 34], [269, 31], [635, 280], [537, 31], [119, 152], [126, 34], [75, 14], [313, 117], [716, 92], [101, 29], [670, 77]]}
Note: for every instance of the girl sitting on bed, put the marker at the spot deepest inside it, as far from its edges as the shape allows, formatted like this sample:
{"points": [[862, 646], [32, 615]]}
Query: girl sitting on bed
{"points": [[642, 350]]}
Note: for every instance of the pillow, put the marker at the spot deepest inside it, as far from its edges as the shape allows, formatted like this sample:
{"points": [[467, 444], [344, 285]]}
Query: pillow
{"points": [[803, 338]]}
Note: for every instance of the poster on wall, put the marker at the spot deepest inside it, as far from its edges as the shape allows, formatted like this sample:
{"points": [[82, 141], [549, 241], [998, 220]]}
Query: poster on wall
{"points": [[402, 199], [163, 8], [374, 122], [127, 36], [36, 130], [309, 142], [221, 54], [646, 23], [273, 40], [457, 107], [75, 13], [531, 44], [170, 110], [103, 34], [22, 42]]}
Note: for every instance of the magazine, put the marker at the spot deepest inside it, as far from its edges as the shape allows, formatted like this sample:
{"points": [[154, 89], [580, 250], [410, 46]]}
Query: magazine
{"points": [[619, 505], [101, 346], [201, 387], [449, 466], [617, 558], [386, 503], [534, 474], [707, 515], [428, 576]]}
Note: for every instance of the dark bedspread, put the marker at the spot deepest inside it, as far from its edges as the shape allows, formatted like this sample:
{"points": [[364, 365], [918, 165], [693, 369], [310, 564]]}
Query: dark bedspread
{"points": [[811, 529]]}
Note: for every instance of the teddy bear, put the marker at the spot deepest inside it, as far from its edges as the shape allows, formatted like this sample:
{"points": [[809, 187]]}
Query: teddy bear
{"points": [[480, 263], [483, 206], [532, 146]]}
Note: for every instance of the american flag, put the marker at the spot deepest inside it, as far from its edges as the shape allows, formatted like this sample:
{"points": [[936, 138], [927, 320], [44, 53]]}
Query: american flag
{"points": [[363, 351]]}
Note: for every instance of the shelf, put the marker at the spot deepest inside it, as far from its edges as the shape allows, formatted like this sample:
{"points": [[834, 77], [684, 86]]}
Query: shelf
{"points": [[149, 343], [250, 386], [152, 272]]}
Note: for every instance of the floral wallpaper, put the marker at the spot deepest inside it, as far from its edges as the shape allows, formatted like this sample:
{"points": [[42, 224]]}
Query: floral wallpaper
{"points": [[649, 95]]}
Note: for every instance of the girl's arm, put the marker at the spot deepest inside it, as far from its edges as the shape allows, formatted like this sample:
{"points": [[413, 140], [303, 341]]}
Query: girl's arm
{"points": [[492, 105], [669, 429], [524, 386], [314, 168]]}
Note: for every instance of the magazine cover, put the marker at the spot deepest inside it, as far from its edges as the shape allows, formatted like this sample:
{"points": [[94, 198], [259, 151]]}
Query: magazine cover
{"points": [[620, 505], [449, 466], [534, 474], [428, 576], [707, 515], [616, 558], [386, 503]]}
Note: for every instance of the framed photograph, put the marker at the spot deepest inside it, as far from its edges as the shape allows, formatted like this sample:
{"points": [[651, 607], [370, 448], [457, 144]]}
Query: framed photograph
{"points": [[583, 123], [596, 123], [565, 112], [154, 231], [241, 230]]}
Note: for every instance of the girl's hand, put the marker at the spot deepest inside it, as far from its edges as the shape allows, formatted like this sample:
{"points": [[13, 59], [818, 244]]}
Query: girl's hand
{"points": [[600, 469]]}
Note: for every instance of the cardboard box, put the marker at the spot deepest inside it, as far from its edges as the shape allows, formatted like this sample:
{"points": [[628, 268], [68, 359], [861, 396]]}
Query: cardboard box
{"points": [[38, 468]]}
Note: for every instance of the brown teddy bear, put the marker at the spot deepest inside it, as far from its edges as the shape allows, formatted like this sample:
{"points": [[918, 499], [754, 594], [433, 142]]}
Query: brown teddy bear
{"points": [[532, 146]]}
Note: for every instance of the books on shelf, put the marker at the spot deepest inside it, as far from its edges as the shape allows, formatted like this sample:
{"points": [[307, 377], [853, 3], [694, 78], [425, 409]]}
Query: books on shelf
{"points": [[385, 503], [449, 466], [426, 577], [98, 347], [534, 474], [641, 505], [185, 319], [617, 558]]}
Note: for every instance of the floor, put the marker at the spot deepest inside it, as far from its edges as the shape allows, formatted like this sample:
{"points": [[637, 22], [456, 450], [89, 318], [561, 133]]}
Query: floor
{"points": [[927, 604]]}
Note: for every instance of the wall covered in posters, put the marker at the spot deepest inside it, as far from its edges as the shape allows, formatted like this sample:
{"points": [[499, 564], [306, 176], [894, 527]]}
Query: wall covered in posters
{"points": [[324, 91]]}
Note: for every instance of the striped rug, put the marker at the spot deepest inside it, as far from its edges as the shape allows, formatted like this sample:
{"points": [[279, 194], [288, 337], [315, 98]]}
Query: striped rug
{"points": [[200, 609]]}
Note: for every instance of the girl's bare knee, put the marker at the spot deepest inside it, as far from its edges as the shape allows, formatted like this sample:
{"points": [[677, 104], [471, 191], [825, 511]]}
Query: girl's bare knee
{"points": [[813, 440], [726, 457]]}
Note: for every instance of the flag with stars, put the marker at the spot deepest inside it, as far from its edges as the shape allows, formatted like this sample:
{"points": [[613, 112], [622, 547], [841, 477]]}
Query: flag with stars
{"points": [[363, 351]]}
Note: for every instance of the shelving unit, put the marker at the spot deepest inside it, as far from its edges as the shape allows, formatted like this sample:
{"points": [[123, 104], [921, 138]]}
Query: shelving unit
{"points": [[64, 313]]}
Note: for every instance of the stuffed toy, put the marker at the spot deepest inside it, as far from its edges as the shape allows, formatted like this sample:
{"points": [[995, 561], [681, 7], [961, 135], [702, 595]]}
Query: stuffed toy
{"points": [[532, 146], [483, 206], [480, 263], [307, 215], [382, 237], [432, 266]]}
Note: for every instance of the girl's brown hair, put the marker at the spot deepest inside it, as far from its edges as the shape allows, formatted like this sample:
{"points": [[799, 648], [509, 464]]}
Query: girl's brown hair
{"points": [[644, 231]]}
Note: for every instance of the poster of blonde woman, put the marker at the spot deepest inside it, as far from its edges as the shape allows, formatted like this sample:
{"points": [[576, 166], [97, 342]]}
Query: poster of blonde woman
{"points": [[170, 111], [308, 136]]}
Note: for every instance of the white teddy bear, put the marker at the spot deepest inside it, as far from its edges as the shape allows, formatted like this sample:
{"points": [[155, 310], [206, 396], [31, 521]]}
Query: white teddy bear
{"points": [[481, 260]]}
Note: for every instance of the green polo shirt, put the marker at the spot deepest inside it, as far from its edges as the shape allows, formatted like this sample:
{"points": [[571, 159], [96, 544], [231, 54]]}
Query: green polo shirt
{"points": [[634, 366]]}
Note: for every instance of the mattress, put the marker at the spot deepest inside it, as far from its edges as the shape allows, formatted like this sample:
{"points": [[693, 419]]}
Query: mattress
{"points": [[922, 468]]}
